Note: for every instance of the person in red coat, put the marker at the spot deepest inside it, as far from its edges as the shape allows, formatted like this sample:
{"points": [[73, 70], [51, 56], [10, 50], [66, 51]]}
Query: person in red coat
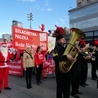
{"points": [[5, 57], [39, 59]]}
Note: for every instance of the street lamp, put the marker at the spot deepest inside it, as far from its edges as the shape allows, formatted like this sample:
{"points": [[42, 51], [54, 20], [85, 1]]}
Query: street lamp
{"points": [[30, 18]]}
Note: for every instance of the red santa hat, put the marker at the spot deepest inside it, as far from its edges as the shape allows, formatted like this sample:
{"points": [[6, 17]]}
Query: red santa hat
{"points": [[4, 45]]}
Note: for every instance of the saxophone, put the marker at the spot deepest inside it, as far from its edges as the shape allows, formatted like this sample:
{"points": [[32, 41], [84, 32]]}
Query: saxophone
{"points": [[66, 65]]}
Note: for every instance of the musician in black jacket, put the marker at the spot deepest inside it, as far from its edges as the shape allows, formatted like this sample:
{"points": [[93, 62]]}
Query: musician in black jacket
{"points": [[62, 79], [76, 74], [84, 63], [93, 51], [84, 70], [79, 70]]}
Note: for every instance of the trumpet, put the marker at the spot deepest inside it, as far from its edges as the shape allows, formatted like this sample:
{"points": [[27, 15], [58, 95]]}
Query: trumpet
{"points": [[85, 52]]}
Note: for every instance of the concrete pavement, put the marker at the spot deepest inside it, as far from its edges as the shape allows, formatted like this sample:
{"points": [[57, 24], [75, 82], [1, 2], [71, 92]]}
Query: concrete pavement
{"points": [[45, 90]]}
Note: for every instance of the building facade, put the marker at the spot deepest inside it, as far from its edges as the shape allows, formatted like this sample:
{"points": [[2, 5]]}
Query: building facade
{"points": [[85, 17], [6, 37], [84, 2], [17, 23]]}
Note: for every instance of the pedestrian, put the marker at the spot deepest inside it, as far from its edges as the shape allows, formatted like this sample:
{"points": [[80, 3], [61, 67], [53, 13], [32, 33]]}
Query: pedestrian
{"points": [[28, 64], [62, 79], [5, 57], [39, 59]]}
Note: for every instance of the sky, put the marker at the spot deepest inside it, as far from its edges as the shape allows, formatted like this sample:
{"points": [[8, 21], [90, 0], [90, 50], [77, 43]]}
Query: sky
{"points": [[47, 12]]}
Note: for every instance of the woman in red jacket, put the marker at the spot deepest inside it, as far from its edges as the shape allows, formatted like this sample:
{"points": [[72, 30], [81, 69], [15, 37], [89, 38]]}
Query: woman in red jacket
{"points": [[39, 58]]}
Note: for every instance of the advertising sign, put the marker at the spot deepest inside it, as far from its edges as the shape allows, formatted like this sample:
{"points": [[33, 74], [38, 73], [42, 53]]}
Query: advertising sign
{"points": [[23, 37]]}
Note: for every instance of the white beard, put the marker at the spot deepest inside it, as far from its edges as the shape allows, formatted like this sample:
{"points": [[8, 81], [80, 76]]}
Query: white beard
{"points": [[4, 52]]}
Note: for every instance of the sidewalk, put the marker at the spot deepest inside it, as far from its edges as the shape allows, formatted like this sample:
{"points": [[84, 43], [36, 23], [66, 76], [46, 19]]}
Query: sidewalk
{"points": [[45, 90]]}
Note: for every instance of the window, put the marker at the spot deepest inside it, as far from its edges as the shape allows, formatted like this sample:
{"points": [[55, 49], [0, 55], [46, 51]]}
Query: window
{"points": [[96, 33], [89, 34], [84, 11], [85, 23]]}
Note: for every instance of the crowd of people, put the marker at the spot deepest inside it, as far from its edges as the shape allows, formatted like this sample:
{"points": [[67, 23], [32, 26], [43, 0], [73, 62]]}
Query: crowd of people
{"points": [[77, 76], [66, 83], [33, 62]]}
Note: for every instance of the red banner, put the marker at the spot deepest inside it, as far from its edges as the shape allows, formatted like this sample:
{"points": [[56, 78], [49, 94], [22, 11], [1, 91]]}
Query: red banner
{"points": [[23, 37], [48, 68], [16, 67]]}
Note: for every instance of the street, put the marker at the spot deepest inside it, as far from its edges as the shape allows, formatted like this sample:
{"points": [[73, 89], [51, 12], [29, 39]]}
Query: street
{"points": [[46, 90]]}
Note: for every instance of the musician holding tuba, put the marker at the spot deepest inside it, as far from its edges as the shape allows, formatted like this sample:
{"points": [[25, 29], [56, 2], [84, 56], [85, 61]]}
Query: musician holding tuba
{"points": [[62, 79]]}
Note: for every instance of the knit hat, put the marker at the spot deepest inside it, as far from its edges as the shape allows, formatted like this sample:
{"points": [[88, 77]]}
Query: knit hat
{"points": [[82, 43], [59, 30], [58, 37]]}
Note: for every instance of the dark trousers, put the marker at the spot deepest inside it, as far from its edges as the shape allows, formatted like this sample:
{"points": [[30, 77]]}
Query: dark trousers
{"points": [[39, 72], [84, 71], [75, 81], [28, 76], [93, 69], [63, 86]]}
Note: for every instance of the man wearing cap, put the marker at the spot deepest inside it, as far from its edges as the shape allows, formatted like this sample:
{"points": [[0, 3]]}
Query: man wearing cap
{"points": [[5, 57], [62, 79]]}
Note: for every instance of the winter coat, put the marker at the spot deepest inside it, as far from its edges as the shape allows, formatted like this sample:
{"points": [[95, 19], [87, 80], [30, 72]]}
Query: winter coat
{"points": [[28, 61]]}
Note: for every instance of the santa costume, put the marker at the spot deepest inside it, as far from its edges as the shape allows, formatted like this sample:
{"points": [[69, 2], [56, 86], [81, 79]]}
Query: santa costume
{"points": [[5, 57]]}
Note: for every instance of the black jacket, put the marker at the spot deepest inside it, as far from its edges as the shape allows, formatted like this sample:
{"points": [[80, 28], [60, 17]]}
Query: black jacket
{"points": [[77, 64], [60, 57]]}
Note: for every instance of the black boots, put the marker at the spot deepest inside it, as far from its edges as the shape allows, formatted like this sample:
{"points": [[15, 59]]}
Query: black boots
{"points": [[29, 86], [7, 88]]}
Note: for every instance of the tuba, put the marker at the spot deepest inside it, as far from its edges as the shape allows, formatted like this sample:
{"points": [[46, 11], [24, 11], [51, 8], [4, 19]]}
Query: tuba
{"points": [[66, 65]]}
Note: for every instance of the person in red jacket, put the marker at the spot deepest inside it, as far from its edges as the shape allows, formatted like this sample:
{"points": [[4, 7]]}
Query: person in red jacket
{"points": [[5, 57], [39, 58]]}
